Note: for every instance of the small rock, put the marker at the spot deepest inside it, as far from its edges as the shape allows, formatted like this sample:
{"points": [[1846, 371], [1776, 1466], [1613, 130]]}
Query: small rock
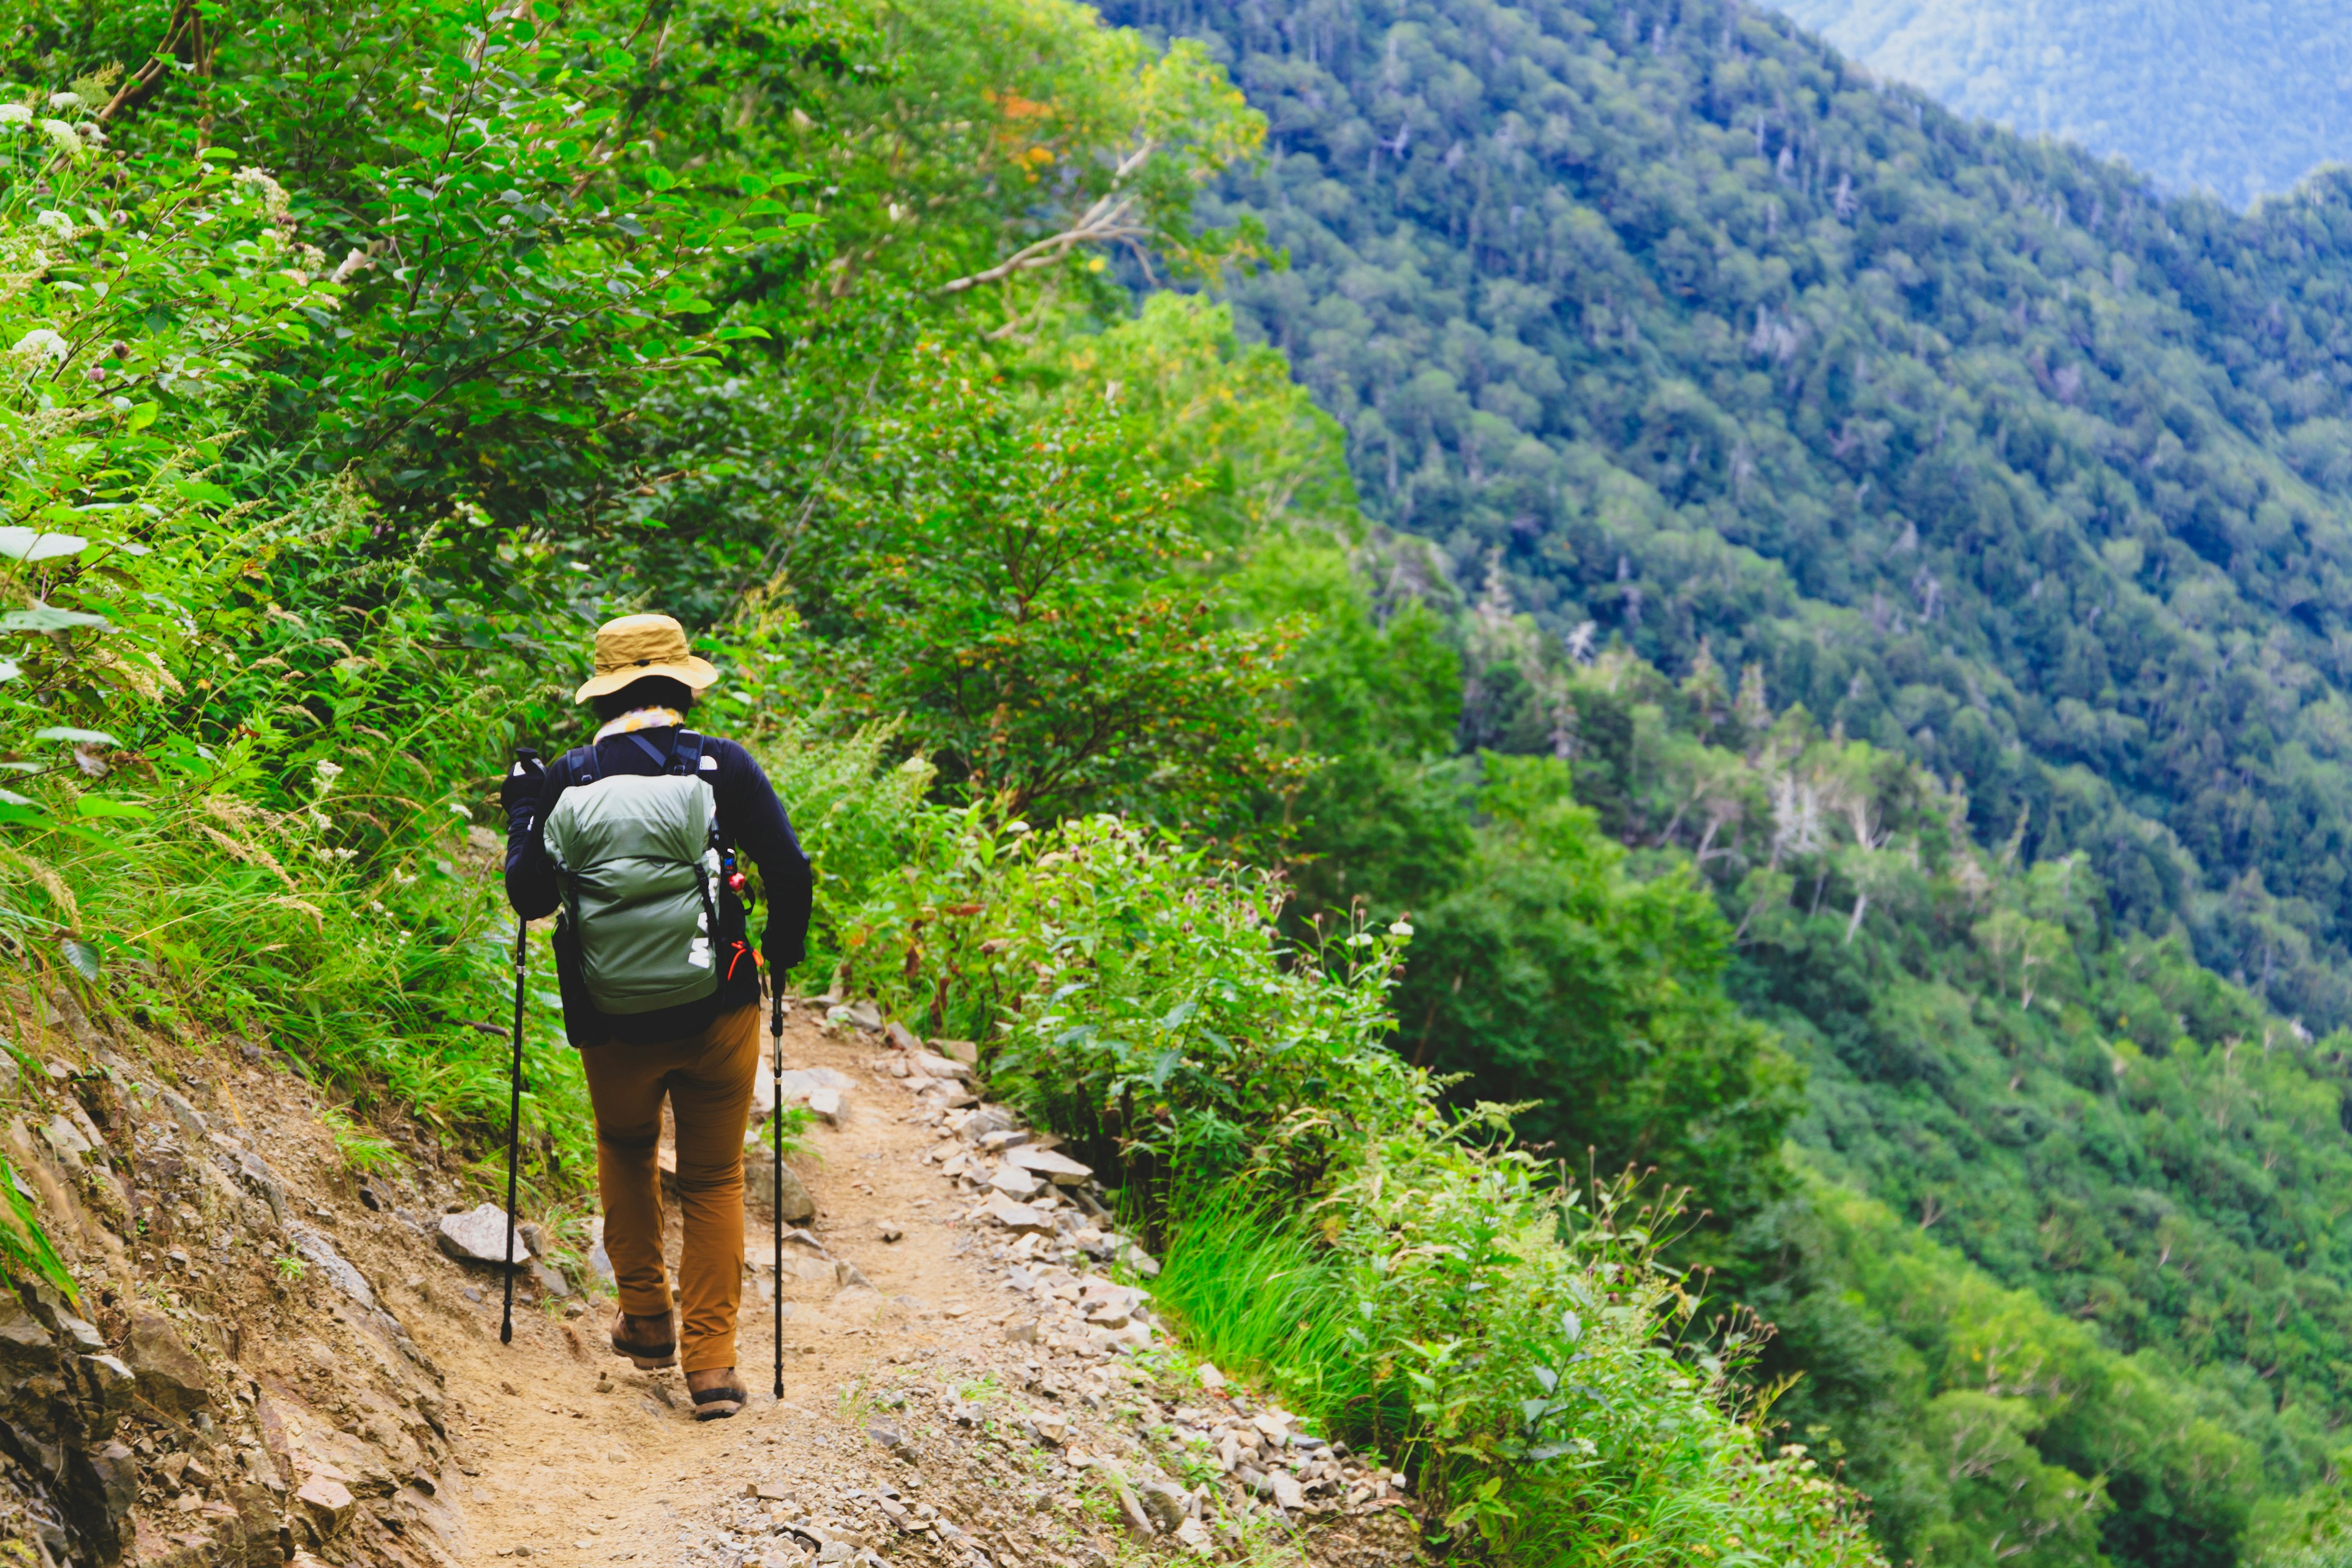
{"points": [[1023, 1333], [111, 1384], [191, 1120], [1167, 1506], [899, 1036], [887, 1231], [65, 1138], [1017, 1217], [167, 1372], [770, 1491], [1054, 1166], [827, 1105], [1014, 1182], [836, 1552], [1288, 1492], [328, 1505], [479, 1235], [472, 1293], [321, 1251], [762, 1186], [1209, 1376], [864, 1013], [930, 1066], [1137, 1518], [845, 1275]]}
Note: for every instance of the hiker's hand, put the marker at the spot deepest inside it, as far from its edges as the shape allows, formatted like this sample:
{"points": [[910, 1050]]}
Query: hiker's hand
{"points": [[521, 784]]}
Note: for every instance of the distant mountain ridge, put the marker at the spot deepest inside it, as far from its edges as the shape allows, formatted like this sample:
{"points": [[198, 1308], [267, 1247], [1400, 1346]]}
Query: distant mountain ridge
{"points": [[1665, 318], [2239, 101]]}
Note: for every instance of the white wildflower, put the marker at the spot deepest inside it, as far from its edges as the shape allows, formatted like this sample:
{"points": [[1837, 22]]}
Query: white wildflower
{"points": [[56, 220], [274, 199], [65, 101], [41, 342], [15, 114], [323, 820], [69, 140], [1400, 929], [330, 772]]}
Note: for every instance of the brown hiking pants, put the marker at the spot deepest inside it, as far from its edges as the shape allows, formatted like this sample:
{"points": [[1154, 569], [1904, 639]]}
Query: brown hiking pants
{"points": [[707, 1079]]}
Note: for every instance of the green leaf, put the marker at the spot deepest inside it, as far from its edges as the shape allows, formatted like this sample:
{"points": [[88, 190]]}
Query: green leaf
{"points": [[82, 955], [200, 490], [78, 737], [107, 806], [144, 415], [660, 178], [46, 619], [38, 544]]}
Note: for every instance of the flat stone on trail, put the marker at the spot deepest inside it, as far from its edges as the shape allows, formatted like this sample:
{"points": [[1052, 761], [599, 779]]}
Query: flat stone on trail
{"points": [[1014, 1182], [1016, 1216], [799, 1083], [899, 1034], [827, 1105], [930, 1066], [1054, 1166], [479, 1235]]}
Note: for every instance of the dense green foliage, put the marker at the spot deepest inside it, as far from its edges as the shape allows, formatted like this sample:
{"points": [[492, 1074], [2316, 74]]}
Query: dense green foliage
{"points": [[1460, 1311], [364, 356], [1661, 319], [2237, 102]]}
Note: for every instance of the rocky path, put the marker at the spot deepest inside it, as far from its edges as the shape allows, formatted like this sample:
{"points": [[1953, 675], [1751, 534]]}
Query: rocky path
{"points": [[966, 1380], [272, 1359]]}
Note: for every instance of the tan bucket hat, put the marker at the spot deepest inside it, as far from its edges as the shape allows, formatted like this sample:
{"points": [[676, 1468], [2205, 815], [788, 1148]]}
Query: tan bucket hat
{"points": [[637, 645]]}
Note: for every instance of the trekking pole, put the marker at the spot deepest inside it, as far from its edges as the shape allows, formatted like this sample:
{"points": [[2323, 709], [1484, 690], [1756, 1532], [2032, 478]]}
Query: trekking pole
{"points": [[514, 1101], [776, 1127]]}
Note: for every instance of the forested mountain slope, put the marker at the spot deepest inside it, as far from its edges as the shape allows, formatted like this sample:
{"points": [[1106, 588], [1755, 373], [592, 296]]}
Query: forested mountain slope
{"points": [[1685, 328], [2238, 100]]}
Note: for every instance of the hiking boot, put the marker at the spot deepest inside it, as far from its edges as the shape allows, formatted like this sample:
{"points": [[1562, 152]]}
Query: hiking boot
{"points": [[719, 1394], [648, 1342]]}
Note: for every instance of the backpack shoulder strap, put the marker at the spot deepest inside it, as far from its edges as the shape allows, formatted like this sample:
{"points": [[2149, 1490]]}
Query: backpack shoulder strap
{"points": [[579, 761], [687, 757]]}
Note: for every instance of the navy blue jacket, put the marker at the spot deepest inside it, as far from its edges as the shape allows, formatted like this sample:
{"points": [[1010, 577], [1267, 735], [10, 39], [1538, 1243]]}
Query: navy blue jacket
{"points": [[749, 817]]}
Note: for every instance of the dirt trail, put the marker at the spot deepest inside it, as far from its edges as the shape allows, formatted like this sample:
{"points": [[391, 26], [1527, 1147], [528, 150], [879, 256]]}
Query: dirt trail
{"points": [[283, 1364], [589, 1460]]}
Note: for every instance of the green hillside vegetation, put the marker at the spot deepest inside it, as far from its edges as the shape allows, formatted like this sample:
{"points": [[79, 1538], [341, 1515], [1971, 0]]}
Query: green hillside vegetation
{"points": [[363, 359], [358, 360], [1678, 325], [2237, 102]]}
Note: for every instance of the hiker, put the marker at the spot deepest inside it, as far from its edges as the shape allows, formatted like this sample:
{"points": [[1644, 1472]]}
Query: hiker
{"points": [[632, 838]]}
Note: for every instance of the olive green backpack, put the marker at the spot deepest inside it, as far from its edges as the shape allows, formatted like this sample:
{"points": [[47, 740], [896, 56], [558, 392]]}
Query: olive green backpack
{"points": [[642, 867]]}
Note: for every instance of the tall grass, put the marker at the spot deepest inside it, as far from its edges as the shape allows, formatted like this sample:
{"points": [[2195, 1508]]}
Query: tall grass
{"points": [[1259, 1295]]}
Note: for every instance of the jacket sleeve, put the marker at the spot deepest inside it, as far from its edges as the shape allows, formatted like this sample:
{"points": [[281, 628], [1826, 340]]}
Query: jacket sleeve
{"points": [[530, 876], [755, 820]]}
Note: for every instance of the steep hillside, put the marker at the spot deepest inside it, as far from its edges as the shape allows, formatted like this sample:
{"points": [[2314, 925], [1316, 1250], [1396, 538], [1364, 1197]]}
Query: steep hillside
{"points": [[1677, 326], [2237, 100]]}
